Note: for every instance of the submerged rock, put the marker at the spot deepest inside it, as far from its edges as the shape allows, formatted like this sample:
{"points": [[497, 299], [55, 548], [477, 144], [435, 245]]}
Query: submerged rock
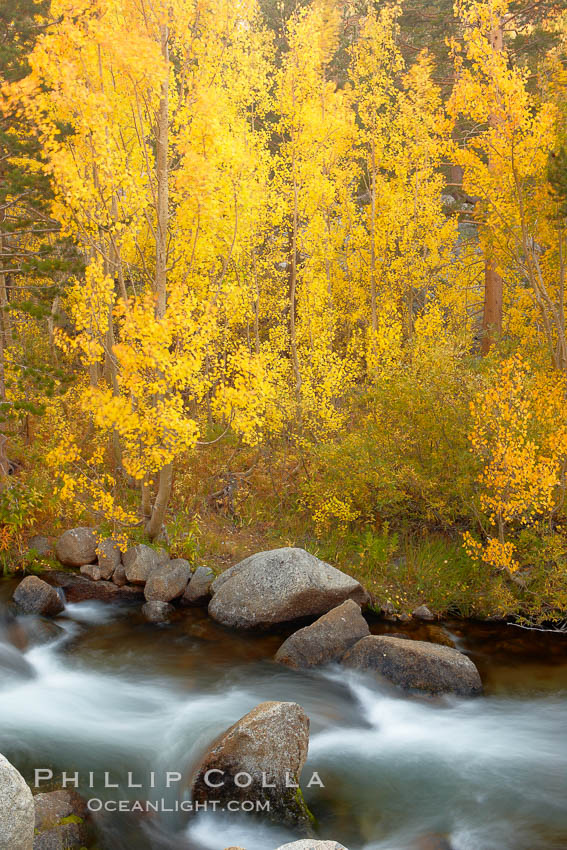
{"points": [[279, 586], [325, 640], [76, 547], [35, 596], [60, 821], [416, 665], [139, 561], [433, 842], [437, 634], [168, 582], [264, 751], [11, 630], [198, 590], [157, 612], [17, 818], [38, 630], [109, 557], [14, 666], [312, 844]]}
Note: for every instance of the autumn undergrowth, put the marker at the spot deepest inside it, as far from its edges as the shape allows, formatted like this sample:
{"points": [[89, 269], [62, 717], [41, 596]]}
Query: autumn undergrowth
{"points": [[389, 501]]}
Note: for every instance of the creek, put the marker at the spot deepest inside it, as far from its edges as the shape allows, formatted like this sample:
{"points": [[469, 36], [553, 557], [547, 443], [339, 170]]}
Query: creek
{"points": [[113, 694]]}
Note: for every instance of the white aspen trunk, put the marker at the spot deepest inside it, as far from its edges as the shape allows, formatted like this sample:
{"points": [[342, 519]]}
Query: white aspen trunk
{"points": [[155, 523]]}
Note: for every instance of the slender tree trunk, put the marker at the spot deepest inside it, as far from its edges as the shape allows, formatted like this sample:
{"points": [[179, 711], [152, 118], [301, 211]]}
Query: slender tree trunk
{"points": [[2, 368], [146, 500], [374, 317], [159, 508], [162, 139], [5, 341], [256, 307], [293, 291], [493, 285], [561, 353], [51, 327], [113, 380], [493, 310], [155, 523]]}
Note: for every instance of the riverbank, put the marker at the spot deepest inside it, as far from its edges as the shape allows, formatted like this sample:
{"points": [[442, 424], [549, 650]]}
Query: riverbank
{"points": [[401, 573]]}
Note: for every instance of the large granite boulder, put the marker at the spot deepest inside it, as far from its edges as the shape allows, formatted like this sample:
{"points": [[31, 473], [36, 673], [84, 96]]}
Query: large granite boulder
{"points": [[76, 547], [260, 758], [60, 821], [279, 586], [35, 596], [109, 557], [325, 640], [416, 665], [168, 582], [17, 818], [198, 590], [139, 561]]}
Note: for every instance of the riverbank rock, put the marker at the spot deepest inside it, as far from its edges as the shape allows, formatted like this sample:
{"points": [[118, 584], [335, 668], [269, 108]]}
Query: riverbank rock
{"points": [[119, 576], [388, 612], [109, 558], [17, 817], [139, 561], [79, 588], [35, 596], [60, 821], [168, 582], [312, 844], [76, 547], [266, 747], [416, 665], [157, 612], [198, 590], [279, 586], [91, 571], [423, 613], [325, 640], [40, 545]]}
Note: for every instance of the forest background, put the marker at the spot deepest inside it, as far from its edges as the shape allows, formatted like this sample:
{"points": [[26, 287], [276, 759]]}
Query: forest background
{"points": [[279, 273]]}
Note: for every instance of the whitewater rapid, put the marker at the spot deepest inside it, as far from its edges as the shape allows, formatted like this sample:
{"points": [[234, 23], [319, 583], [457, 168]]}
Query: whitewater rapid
{"points": [[488, 773]]}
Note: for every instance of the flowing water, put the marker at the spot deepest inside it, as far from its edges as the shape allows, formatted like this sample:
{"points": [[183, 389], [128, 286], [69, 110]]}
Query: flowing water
{"points": [[111, 694]]}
